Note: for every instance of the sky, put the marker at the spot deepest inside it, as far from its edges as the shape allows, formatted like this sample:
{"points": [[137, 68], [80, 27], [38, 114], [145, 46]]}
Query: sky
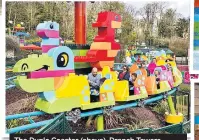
{"points": [[182, 7]]}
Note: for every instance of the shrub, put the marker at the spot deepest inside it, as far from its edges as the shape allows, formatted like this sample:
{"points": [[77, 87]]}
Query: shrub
{"points": [[184, 87]]}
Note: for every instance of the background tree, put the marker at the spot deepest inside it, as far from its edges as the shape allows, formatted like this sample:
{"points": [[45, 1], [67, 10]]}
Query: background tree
{"points": [[154, 23]]}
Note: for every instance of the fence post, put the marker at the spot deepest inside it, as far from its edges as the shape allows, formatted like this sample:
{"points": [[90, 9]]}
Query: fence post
{"points": [[126, 131], [175, 100], [150, 130], [189, 100], [182, 130], [64, 123]]}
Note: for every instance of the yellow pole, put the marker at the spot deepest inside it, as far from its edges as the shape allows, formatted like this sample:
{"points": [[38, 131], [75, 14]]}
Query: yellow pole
{"points": [[171, 105], [100, 123]]}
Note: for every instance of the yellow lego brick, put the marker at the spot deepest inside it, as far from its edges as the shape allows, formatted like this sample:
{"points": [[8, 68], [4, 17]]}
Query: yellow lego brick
{"points": [[121, 90]]}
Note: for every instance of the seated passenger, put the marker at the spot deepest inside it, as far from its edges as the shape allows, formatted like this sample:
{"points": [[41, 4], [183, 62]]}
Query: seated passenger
{"points": [[154, 60], [124, 75], [169, 67], [131, 83], [132, 58], [143, 66], [157, 73], [94, 82]]}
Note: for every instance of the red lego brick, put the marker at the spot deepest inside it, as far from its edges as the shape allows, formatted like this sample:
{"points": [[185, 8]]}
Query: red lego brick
{"points": [[99, 54], [84, 59], [105, 35], [115, 46]]}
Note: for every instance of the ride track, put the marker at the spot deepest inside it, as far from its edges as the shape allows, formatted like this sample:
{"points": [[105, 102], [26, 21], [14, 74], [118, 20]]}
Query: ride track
{"points": [[33, 124], [10, 83]]}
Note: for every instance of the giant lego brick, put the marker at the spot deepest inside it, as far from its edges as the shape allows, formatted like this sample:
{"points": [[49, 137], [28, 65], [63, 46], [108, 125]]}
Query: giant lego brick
{"points": [[100, 46]]}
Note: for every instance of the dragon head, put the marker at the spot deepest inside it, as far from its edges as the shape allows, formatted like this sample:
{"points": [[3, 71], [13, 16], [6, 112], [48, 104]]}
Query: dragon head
{"points": [[48, 29], [41, 71], [108, 19]]}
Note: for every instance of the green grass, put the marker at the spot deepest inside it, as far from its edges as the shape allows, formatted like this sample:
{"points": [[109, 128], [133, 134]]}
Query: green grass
{"points": [[13, 123], [161, 107], [140, 125], [184, 87]]}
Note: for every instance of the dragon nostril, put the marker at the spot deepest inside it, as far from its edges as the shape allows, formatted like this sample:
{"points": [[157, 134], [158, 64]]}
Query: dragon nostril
{"points": [[24, 67]]}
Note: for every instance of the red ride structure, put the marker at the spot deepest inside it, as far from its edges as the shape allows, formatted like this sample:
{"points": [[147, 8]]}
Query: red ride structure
{"points": [[80, 23]]}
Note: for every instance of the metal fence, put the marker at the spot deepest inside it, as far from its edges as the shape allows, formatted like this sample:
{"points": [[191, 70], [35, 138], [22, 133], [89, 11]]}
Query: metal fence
{"points": [[182, 128], [60, 125]]}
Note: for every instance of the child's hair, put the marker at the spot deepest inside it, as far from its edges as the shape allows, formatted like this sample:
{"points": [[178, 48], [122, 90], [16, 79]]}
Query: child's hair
{"points": [[134, 74], [141, 64], [169, 64]]}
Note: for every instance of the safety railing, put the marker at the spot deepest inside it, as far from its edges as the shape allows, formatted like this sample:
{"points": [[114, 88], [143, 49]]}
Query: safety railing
{"points": [[10, 82], [60, 125]]}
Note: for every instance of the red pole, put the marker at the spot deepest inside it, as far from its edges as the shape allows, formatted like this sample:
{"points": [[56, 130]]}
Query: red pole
{"points": [[80, 22]]}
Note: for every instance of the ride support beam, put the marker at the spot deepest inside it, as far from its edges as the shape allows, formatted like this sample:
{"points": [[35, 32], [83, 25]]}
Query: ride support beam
{"points": [[171, 105], [100, 123], [80, 23]]}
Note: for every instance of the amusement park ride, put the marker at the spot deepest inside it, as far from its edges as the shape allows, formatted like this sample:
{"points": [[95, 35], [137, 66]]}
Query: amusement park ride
{"points": [[52, 75], [21, 34]]}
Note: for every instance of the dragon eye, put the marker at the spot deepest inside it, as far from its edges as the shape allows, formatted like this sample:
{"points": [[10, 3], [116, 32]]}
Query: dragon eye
{"points": [[62, 60], [24, 67], [51, 26]]}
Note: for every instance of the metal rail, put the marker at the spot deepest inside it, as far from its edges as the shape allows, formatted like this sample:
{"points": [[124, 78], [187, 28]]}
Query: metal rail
{"points": [[10, 83]]}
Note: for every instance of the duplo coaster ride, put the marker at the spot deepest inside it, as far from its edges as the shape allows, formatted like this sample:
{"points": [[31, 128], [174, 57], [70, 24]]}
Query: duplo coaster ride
{"points": [[52, 76]]}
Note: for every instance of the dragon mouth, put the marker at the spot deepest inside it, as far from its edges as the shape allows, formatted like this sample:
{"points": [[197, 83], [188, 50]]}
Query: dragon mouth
{"points": [[44, 68]]}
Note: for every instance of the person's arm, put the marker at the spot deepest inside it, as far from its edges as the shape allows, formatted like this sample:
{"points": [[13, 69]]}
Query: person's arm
{"points": [[127, 76], [96, 83], [90, 81]]}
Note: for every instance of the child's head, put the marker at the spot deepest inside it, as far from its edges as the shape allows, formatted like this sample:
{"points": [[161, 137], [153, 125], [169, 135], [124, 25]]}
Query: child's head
{"points": [[169, 64], [125, 68], [156, 72], [154, 60], [143, 65], [134, 76]]}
